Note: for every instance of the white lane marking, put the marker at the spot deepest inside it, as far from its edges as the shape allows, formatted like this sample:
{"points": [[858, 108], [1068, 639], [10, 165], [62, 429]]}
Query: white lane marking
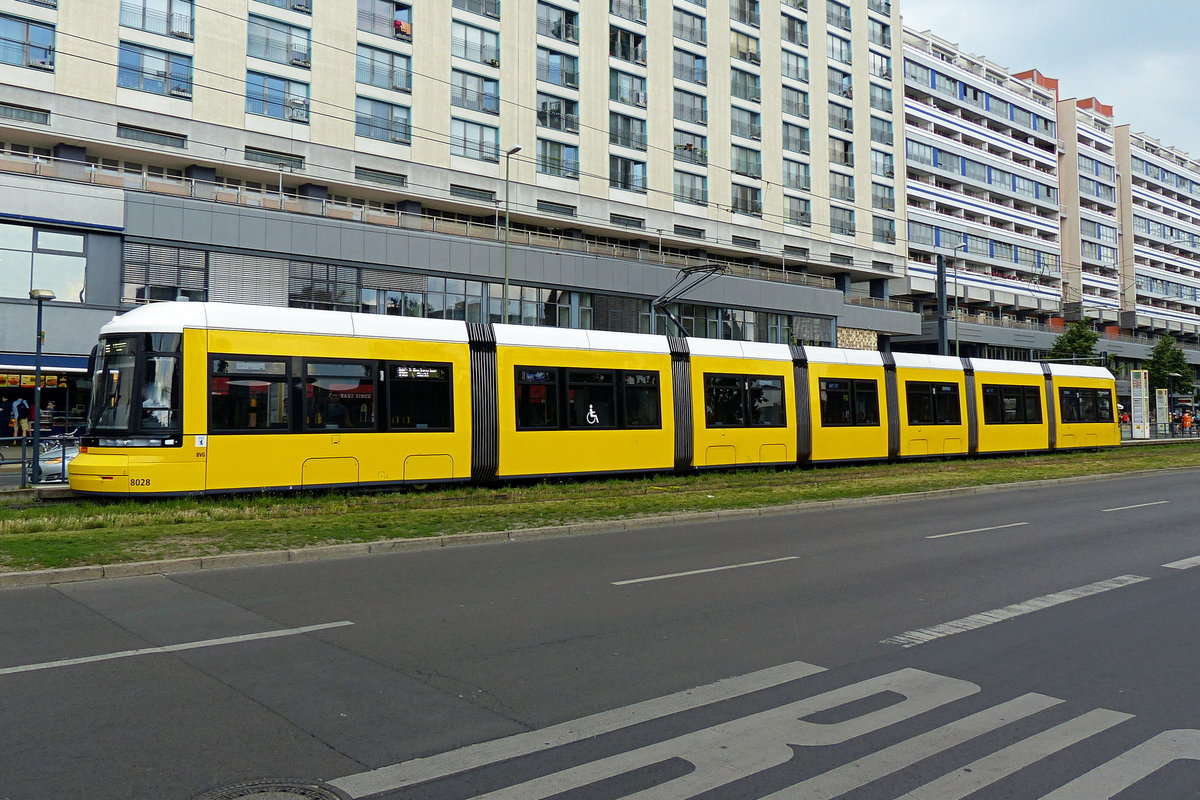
{"points": [[1139, 505], [1002, 763], [409, 773], [702, 571], [848, 777], [978, 530], [1184, 563], [922, 635], [172, 648]]}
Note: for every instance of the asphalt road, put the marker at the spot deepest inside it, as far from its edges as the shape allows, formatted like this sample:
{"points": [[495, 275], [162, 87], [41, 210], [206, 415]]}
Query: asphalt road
{"points": [[1016, 644]]}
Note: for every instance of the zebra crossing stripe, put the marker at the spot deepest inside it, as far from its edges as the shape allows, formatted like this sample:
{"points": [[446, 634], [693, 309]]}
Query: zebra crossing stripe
{"points": [[985, 618]]}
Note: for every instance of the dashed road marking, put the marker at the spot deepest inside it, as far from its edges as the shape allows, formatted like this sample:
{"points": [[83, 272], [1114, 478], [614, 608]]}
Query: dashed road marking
{"points": [[1139, 505], [702, 571], [978, 530], [1184, 563], [172, 648], [975, 621]]}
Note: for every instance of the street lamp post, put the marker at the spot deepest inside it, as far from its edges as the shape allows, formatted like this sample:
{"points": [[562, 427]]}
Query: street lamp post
{"points": [[507, 161], [943, 338], [41, 296]]}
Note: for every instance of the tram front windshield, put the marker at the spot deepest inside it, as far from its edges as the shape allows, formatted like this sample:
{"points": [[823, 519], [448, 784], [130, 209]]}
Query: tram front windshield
{"points": [[135, 388]]}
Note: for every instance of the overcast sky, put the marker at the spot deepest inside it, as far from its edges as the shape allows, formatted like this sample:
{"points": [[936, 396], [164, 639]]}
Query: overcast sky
{"points": [[1141, 58]]}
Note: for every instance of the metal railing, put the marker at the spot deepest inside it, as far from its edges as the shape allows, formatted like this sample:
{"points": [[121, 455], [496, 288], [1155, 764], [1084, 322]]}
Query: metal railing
{"points": [[17, 458], [266, 198]]}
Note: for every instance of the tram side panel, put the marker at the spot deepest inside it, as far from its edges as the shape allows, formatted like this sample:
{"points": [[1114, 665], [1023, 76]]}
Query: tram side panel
{"points": [[1012, 412], [933, 416], [743, 411], [849, 412], [303, 411], [1087, 412], [566, 411]]}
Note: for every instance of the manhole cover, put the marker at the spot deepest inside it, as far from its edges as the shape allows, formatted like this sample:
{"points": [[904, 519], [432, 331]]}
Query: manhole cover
{"points": [[273, 789]]}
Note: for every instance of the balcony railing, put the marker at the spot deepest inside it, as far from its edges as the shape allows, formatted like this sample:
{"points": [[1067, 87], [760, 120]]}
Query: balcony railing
{"points": [[66, 170]]}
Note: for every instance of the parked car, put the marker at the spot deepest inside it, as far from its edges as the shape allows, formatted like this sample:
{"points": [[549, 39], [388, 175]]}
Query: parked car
{"points": [[53, 462]]}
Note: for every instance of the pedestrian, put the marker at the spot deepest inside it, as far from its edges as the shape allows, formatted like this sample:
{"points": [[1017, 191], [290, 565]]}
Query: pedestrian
{"points": [[1186, 420], [20, 415], [6, 418], [1124, 417]]}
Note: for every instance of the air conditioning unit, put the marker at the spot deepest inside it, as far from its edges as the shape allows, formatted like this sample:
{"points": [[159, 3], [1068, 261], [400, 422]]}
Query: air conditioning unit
{"points": [[40, 63]]}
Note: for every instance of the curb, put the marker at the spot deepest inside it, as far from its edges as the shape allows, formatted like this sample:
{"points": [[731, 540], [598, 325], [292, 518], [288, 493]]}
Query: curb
{"points": [[47, 577]]}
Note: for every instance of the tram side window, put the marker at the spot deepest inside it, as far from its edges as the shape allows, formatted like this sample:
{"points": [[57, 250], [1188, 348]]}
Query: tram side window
{"points": [[643, 408], [591, 398], [1086, 405], [744, 401], [249, 394], [603, 399], [849, 403], [339, 395], [537, 398], [933, 403], [420, 397], [1012, 405]]}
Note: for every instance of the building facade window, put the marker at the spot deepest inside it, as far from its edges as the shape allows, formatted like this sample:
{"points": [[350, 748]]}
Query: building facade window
{"points": [[557, 23], [154, 71], [475, 92], [486, 8], [691, 107], [744, 47], [745, 161], [690, 27], [838, 49], [691, 147], [626, 173], [690, 67], [883, 230], [747, 200], [558, 159], [794, 30], [795, 102], [475, 44], [473, 140], [691, 188], [841, 220], [795, 66], [387, 122], [556, 67], [43, 259], [557, 113], [795, 138], [386, 18], [166, 17], [276, 41], [25, 43], [797, 175], [626, 88], [626, 45], [626, 131], [383, 69], [745, 123], [799, 211], [276, 97], [745, 85]]}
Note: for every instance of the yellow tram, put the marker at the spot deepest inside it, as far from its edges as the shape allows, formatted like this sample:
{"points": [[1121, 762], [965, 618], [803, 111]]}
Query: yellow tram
{"points": [[207, 398]]}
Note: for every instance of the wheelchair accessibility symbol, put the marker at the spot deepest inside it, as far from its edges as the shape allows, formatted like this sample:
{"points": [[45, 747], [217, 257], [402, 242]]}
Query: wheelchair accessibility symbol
{"points": [[592, 417]]}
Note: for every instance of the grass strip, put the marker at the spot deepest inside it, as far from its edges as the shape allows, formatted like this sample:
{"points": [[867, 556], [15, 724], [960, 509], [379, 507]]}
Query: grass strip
{"points": [[43, 536]]}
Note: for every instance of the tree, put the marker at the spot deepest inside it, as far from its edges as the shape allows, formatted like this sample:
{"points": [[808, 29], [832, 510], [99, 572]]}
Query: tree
{"points": [[1077, 343], [1166, 358]]}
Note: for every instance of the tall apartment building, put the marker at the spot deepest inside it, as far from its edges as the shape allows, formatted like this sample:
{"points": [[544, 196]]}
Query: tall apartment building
{"points": [[417, 158], [1044, 212], [982, 156]]}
